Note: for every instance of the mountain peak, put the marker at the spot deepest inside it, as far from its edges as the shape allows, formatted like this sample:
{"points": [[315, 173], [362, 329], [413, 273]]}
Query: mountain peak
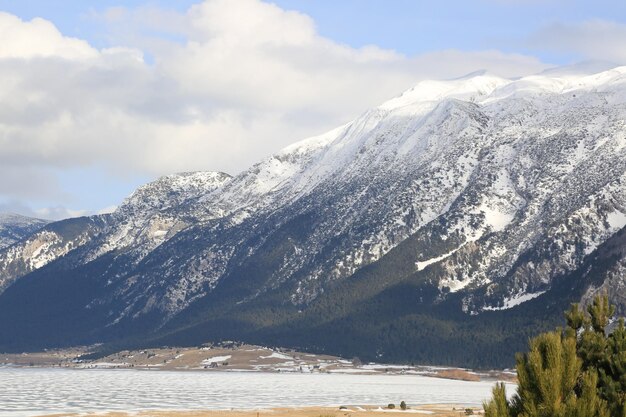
{"points": [[14, 227], [174, 189], [8, 217], [482, 87], [470, 87], [473, 74]]}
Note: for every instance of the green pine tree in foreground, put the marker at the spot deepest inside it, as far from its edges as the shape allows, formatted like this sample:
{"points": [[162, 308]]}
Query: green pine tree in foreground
{"points": [[579, 372]]}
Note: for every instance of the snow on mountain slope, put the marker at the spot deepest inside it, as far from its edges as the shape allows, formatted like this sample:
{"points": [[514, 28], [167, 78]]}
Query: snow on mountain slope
{"points": [[157, 211], [513, 156], [45, 245], [153, 213], [14, 227], [171, 191], [502, 185]]}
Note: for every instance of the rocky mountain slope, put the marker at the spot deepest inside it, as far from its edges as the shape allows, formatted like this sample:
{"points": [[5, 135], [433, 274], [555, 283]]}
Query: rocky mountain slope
{"points": [[458, 218], [14, 227]]}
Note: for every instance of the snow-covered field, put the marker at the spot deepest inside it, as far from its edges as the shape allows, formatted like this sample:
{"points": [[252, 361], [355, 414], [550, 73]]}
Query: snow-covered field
{"points": [[29, 392]]}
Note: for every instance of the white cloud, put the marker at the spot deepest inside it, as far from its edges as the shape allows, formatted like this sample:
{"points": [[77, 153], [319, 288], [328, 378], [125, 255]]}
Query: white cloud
{"points": [[230, 82], [58, 213], [39, 38], [107, 210], [28, 182], [46, 213], [592, 39]]}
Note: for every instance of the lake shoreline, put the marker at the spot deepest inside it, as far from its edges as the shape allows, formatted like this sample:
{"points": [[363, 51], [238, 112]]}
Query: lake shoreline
{"points": [[435, 410], [237, 358]]}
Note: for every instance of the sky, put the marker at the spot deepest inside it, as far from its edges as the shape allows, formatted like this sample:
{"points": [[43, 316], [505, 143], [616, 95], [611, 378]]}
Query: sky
{"points": [[97, 98]]}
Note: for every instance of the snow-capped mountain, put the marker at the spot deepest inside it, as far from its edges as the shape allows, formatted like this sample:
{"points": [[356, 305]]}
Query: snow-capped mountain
{"points": [[468, 200], [14, 227]]}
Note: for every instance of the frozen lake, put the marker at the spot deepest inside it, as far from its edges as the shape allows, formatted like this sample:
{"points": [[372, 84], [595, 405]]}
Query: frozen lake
{"points": [[28, 392]]}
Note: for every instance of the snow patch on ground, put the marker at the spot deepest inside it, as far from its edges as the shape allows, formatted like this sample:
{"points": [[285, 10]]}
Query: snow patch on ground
{"points": [[423, 264], [277, 356], [616, 220], [514, 301], [455, 285], [216, 359], [496, 219]]}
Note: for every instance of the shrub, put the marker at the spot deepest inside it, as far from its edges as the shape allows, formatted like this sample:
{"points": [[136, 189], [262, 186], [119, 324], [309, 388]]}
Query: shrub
{"points": [[391, 406], [403, 405]]}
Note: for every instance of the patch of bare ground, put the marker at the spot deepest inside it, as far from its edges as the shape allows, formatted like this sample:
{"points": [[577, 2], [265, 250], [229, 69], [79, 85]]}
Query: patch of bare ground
{"points": [[459, 374], [48, 358]]}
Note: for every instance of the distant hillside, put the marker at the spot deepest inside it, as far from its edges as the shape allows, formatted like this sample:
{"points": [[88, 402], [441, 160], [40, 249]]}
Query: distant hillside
{"points": [[14, 227]]}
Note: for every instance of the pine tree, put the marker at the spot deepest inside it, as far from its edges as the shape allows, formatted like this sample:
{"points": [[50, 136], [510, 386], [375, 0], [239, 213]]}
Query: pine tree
{"points": [[498, 406], [579, 372], [551, 381], [602, 353]]}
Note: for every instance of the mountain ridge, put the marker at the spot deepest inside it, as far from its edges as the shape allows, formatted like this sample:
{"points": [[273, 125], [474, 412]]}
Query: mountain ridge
{"points": [[476, 195], [14, 227]]}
